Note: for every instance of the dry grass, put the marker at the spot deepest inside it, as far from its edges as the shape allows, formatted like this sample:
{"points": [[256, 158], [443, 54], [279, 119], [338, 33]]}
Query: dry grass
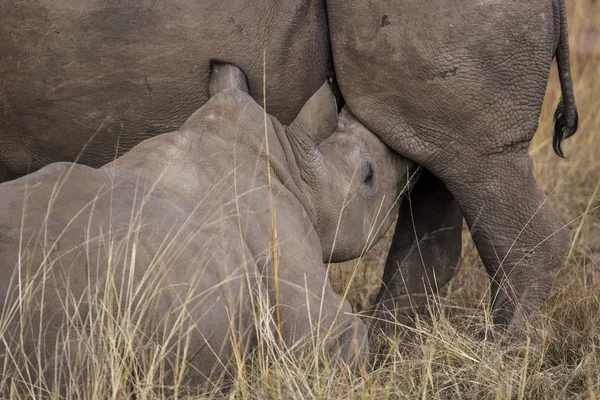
{"points": [[449, 363]]}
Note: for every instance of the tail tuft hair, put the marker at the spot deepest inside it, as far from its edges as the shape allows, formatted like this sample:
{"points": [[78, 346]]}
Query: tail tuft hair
{"points": [[561, 129]]}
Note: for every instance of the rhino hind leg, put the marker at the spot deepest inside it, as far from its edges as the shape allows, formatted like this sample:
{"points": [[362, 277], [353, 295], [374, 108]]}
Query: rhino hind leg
{"points": [[226, 76], [520, 237], [424, 255]]}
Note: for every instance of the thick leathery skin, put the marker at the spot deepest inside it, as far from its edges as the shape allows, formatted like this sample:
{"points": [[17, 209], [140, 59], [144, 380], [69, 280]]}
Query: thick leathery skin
{"points": [[104, 75]]}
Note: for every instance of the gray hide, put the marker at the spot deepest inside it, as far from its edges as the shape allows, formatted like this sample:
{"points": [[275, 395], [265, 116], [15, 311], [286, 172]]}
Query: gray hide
{"points": [[105, 75], [180, 230], [458, 88]]}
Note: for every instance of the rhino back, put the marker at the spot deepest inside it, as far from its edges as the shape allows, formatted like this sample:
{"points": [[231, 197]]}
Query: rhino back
{"points": [[114, 73]]}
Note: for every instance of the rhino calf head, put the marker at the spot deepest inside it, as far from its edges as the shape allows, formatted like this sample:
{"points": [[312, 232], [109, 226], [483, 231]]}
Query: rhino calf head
{"points": [[349, 180], [353, 179]]}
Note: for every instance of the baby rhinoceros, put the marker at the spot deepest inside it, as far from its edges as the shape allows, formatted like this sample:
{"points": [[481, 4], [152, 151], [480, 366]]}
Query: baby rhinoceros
{"points": [[178, 258]]}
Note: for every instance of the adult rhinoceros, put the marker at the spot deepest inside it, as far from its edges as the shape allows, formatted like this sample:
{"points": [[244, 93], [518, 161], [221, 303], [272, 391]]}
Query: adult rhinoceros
{"points": [[457, 89]]}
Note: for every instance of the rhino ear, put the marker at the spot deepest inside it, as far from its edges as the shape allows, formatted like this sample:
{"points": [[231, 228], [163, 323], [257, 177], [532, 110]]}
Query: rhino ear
{"points": [[226, 76], [318, 118]]}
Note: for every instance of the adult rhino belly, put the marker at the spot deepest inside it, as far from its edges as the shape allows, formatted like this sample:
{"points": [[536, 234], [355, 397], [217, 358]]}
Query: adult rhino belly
{"points": [[102, 76]]}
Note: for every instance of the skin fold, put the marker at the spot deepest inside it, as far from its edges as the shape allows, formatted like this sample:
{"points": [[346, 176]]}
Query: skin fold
{"points": [[188, 226]]}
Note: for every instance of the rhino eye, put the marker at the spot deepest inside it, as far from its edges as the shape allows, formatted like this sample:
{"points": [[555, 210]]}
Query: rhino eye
{"points": [[368, 173]]}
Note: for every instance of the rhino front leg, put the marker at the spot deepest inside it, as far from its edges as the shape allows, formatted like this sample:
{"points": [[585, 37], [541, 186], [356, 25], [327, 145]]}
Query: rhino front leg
{"points": [[425, 252], [519, 235]]}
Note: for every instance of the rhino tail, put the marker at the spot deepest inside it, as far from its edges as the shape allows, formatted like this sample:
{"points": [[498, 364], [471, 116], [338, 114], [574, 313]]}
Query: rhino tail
{"points": [[565, 117]]}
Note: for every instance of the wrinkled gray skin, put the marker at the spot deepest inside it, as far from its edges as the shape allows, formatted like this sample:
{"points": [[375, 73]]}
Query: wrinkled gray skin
{"points": [[195, 208], [104, 74], [459, 89]]}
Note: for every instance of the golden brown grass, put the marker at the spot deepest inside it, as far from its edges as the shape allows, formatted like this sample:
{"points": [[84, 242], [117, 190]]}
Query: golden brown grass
{"points": [[448, 363]]}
